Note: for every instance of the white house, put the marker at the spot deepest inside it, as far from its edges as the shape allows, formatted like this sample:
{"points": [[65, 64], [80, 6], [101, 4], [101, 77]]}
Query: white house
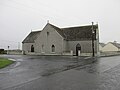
{"points": [[53, 40], [111, 47]]}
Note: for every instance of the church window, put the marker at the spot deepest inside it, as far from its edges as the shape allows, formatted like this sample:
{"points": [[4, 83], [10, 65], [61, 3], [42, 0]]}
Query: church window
{"points": [[48, 33], [42, 48]]}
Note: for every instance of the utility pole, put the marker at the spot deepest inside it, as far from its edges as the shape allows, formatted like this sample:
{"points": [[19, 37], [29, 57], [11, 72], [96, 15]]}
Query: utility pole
{"points": [[93, 32], [8, 50]]}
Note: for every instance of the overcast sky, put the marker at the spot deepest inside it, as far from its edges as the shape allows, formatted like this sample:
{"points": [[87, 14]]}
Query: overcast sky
{"points": [[19, 17]]}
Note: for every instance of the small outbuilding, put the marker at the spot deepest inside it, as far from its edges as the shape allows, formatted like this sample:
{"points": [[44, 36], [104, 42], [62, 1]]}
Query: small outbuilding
{"points": [[111, 47]]}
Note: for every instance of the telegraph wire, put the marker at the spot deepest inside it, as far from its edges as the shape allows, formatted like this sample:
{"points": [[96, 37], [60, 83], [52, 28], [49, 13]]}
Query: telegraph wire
{"points": [[21, 9], [63, 18]]}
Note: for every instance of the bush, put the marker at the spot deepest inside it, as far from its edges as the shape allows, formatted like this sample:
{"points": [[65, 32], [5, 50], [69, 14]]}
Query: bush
{"points": [[1, 51]]}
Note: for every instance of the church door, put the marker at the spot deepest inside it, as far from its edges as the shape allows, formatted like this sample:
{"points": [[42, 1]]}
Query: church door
{"points": [[78, 49], [32, 48]]}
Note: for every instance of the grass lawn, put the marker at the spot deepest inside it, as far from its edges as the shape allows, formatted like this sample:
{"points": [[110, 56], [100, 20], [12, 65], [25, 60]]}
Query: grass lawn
{"points": [[5, 62]]}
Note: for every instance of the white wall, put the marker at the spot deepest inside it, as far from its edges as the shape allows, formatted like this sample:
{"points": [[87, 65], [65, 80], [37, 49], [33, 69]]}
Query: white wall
{"points": [[86, 46], [27, 47]]}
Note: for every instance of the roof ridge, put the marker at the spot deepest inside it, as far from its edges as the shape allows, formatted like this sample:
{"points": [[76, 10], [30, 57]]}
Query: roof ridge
{"points": [[116, 44], [35, 31], [77, 26], [54, 26]]}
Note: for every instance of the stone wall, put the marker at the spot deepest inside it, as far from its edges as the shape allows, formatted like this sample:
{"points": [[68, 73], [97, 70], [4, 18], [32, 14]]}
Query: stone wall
{"points": [[15, 52], [86, 46]]}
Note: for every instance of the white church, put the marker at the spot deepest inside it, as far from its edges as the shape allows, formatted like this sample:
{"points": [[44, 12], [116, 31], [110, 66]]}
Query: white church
{"points": [[52, 40]]}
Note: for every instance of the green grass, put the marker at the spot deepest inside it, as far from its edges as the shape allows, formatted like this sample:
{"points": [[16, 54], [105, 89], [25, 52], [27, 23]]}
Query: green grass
{"points": [[5, 62]]}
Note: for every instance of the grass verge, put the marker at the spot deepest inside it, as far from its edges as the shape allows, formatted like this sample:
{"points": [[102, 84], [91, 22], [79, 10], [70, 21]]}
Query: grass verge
{"points": [[5, 62]]}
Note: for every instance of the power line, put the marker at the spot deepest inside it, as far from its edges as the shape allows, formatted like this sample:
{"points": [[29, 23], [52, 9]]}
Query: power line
{"points": [[23, 10], [63, 18]]}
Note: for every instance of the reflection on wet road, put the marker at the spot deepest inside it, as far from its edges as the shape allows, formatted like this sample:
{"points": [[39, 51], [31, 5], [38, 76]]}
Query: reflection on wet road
{"points": [[61, 73]]}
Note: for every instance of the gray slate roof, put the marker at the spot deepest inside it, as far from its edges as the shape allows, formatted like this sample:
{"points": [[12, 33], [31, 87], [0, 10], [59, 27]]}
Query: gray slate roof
{"points": [[76, 33], [79, 33], [116, 44], [31, 37], [69, 34]]}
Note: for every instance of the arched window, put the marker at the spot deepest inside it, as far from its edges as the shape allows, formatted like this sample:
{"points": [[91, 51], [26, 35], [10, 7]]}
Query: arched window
{"points": [[42, 48], [53, 48], [48, 33], [32, 48]]}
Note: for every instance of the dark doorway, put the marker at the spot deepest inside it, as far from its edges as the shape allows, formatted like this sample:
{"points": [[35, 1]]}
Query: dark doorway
{"points": [[32, 48], [53, 48], [78, 48]]}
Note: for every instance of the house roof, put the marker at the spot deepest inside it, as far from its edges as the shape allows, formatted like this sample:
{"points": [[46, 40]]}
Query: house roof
{"points": [[31, 37], [76, 33], [116, 44], [102, 44], [70, 33], [79, 33], [59, 30]]}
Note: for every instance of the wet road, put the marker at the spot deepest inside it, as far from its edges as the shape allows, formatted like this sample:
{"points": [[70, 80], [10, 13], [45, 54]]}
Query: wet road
{"points": [[61, 73]]}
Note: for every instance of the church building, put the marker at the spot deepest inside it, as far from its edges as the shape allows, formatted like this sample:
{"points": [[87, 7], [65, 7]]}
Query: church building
{"points": [[52, 40]]}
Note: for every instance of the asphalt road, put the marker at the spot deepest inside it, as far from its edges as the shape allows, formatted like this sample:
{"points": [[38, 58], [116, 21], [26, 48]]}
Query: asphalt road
{"points": [[61, 73]]}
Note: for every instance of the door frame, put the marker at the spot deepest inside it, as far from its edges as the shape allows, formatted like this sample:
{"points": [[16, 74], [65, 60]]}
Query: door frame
{"points": [[78, 47]]}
